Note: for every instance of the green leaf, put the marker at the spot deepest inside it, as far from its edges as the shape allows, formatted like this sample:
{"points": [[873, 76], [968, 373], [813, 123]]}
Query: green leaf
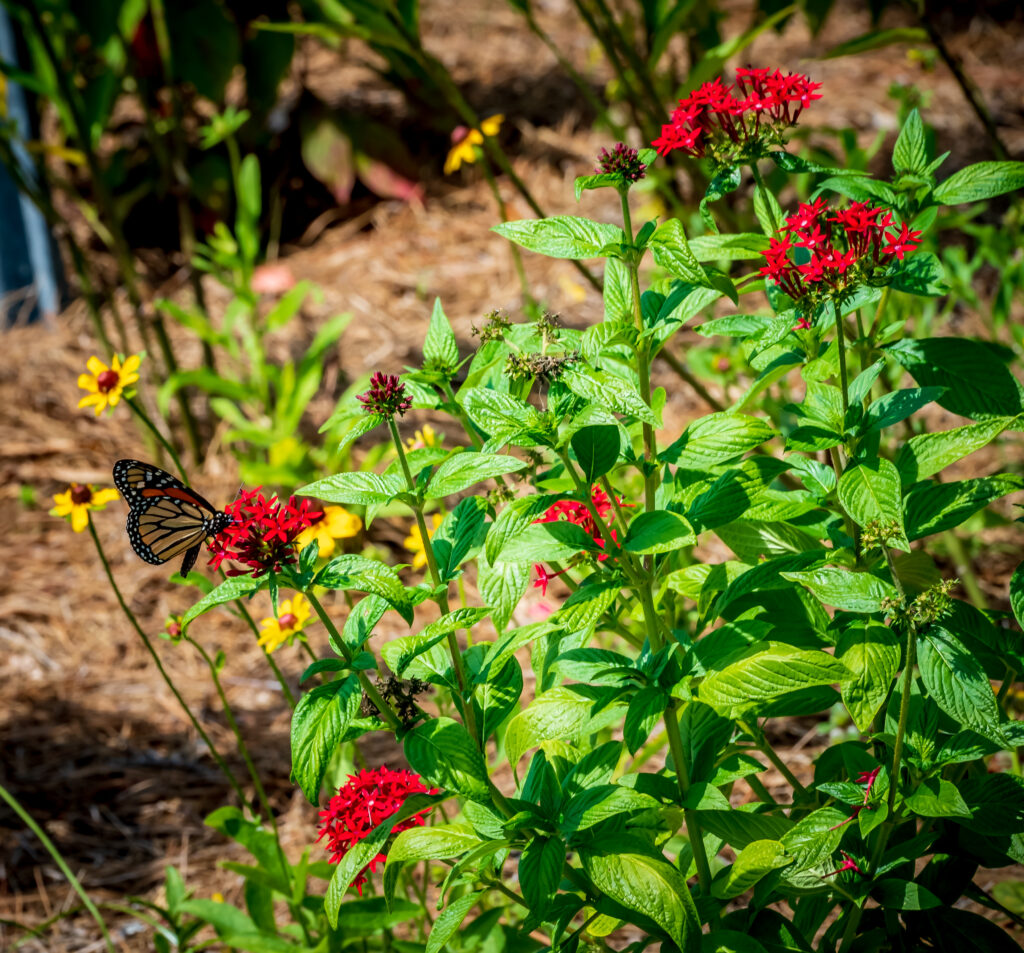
{"points": [[725, 181], [365, 850], [462, 531], [563, 236], [318, 725], [870, 491], [646, 884], [432, 843], [612, 393], [207, 381], [558, 713], [671, 250], [743, 246], [494, 412], [893, 893], [237, 587], [596, 449], [900, 404], [928, 453], [585, 607], [878, 39], [512, 520], [766, 671], [540, 871], [978, 384], [600, 180], [595, 804], [442, 751], [934, 507], [464, 469], [754, 862], [957, 682], [871, 651], [360, 488], [548, 542], [715, 439], [983, 180], [996, 802], [659, 531], [448, 923], [850, 591], [910, 154], [440, 349], [501, 586], [496, 698], [349, 571], [935, 797]]}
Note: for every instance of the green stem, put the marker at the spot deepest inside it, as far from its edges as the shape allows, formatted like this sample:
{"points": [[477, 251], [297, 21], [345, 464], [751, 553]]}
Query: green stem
{"points": [[51, 849], [222, 764], [841, 344], [1008, 683], [243, 749], [769, 207], [693, 829], [761, 743], [369, 689], [643, 361], [270, 661], [136, 408]]}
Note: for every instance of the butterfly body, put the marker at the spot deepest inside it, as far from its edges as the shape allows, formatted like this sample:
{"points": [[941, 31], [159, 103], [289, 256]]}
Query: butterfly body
{"points": [[166, 518]]}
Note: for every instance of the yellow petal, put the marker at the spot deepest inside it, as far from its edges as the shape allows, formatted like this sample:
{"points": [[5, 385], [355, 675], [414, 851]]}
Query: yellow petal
{"points": [[88, 382], [131, 365], [96, 398], [492, 124], [114, 396], [96, 366], [115, 363], [128, 379], [79, 518], [104, 496]]}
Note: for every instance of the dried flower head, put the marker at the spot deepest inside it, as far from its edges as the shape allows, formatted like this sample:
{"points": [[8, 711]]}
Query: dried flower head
{"points": [[365, 801], [495, 327], [386, 396]]}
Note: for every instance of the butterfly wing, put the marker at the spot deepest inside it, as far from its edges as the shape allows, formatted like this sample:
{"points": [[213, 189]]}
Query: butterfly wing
{"points": [[166, 518]]}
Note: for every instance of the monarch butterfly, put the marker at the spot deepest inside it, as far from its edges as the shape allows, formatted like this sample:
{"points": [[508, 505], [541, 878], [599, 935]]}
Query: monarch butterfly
{"points": [[166, 518]]}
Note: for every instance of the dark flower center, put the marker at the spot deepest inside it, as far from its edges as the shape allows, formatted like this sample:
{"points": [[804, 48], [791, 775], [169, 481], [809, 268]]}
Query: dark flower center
{"points": [[288, 620], [107, 381], [81, 494]]}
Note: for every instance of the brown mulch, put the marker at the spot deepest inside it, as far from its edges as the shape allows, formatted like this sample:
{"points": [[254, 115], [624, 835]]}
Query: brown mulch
{"points": [[93, 744]]}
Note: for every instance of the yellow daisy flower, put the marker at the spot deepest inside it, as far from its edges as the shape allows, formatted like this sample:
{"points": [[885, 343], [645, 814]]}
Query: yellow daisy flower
{"points": [[414, 542], [466, 140], [76, 501], [275, 632], [106, 385], [335, 523], [427, 437]]}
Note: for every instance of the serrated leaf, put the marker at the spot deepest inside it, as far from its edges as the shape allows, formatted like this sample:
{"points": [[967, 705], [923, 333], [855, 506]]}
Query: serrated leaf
{"points": [[446, 925], [850, 591], [659, 531], [980, 181], [611, 393], [440, 349], [318, 725], [237, 587], [928, 453], [442, 751], [870, 492], [360, 488], [467, 468], [871, 651], [755, 861], [596, 449], [562, 236]]}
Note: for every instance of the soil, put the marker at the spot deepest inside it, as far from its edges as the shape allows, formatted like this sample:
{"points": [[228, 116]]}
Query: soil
{"points": [[91, 741]]}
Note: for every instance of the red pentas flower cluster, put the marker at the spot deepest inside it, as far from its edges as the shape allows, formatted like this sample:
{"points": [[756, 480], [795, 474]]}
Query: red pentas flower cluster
{"points": [[729, 121], [573, 511], [366, 800], [836, 251], [386, 396], [262, 533]]}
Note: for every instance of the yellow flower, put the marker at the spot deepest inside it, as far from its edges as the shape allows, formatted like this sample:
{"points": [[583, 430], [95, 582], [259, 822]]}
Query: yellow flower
{"points": [[466, 140], [414, 542], [336, 523], [427, 437], [107, 384], [77, 500], [276, 632]]}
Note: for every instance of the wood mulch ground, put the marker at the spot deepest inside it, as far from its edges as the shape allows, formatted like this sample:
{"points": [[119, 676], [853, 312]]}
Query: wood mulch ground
{"points": [[91, 741]]}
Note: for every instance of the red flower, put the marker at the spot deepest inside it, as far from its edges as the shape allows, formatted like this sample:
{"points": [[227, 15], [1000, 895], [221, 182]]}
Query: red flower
{"points": [[262, 534], [732, 116], [868, 777], [365, 801], [544, 577], [900, 244], [848, 864], [621, 161]]}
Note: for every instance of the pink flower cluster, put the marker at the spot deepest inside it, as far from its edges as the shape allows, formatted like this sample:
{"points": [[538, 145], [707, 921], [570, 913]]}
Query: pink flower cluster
{"points": [[835, 244], [757, 107], [573, 511], [365, 801], [262, 533]]}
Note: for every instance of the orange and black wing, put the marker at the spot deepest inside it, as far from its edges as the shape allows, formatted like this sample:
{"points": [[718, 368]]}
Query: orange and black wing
{"points": [[166, 518]]}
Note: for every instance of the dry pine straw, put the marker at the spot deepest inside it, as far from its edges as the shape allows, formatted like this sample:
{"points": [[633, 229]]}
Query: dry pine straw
{"points": [[92, 743]]}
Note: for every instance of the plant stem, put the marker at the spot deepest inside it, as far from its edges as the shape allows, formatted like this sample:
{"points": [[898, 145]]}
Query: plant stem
{"points": [[693, 829], [841, 344], [761, 743], [51, 849], [369, 689], [759, 182], [136, 408], [222, 764], [650, 472], [243, 749]]}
